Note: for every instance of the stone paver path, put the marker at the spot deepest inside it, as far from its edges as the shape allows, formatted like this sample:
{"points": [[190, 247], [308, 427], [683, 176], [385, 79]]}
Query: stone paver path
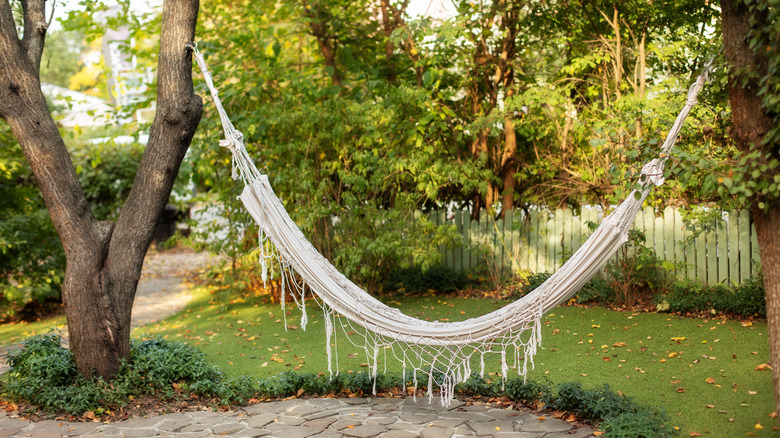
{"points": [[324, 417]]}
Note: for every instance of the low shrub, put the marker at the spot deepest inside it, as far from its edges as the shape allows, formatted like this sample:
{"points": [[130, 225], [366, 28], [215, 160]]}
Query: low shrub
{"points": [[746, 300], [416, 280], [596, 290], [44, 374]]}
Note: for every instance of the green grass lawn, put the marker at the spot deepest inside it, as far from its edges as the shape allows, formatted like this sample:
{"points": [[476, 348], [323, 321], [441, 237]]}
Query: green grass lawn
{"points": [[702, 372], [11, 333]]}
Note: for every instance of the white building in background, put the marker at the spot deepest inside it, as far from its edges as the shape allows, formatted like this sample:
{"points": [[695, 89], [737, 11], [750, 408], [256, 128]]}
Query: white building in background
{"points": [[74, 108], [127, 83]]}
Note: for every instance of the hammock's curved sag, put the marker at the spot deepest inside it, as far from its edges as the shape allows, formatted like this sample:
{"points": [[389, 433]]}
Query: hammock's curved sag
{"points": [[444, 347]]}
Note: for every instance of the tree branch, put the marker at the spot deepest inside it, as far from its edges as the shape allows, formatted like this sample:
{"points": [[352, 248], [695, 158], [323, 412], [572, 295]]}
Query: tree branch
{"points": [[7, 25], [178, 114], [34, 30], [23, 106]]}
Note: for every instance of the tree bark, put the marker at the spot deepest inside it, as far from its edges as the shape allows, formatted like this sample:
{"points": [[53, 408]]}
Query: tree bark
{"points": [[751, 123], [768, 235], [103, 261]]}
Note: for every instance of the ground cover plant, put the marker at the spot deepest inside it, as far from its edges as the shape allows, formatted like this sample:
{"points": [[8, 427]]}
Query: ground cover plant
{"points": [[44, 374]]}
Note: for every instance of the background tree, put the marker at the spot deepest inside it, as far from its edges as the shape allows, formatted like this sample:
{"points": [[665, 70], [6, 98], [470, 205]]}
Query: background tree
{"points": [[104, 258]]}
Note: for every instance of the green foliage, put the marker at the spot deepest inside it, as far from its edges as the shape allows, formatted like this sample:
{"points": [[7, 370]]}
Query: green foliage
{"points": [[763, 40], [596, 290], [416, 280], [106, 171], [62, 48], [32, 261], [636, 271], [44, 374], [745, 300], [625, 280]]}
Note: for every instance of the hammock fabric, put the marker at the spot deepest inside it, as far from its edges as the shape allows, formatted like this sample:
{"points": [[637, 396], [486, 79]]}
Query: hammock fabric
{"points": [[441, 351]]}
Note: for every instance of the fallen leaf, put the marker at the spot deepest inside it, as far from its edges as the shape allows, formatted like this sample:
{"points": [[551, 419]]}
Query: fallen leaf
{"points": [[694, 434], [773, 414], [619, 344], [752, 392], [710, 380], [763, 367], [709, 406], [758, 426]]}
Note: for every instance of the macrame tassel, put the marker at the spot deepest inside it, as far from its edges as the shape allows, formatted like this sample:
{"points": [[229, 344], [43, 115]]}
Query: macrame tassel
{"points": [[304, 315], [504, 368], [376, 356], [328, 334], [430, 385], [263, 262], [414, 381], [403, 376]]}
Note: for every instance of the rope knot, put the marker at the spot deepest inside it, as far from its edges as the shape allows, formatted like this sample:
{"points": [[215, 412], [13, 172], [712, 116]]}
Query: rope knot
{"points": [[654, 171]]}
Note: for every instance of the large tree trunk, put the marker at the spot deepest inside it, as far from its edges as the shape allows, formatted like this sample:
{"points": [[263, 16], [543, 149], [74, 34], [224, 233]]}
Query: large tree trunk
{"points": [[751, 123], [103, 261], [768, 235]]}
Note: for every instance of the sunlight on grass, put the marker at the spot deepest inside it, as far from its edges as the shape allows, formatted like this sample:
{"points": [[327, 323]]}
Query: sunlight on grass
{"points": [[11, 333]]}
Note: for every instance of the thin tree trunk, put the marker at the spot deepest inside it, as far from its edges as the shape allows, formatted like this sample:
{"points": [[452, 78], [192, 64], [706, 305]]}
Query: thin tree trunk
{"points": [[318, 24], [642, 78], [388, 28]]}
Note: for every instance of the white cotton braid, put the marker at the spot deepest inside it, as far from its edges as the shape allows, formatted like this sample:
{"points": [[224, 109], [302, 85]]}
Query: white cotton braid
{"points": [[443, 350]]}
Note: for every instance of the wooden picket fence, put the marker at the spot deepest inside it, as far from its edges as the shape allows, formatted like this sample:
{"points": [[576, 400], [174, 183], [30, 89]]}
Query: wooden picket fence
{"points": [[725, 252]]}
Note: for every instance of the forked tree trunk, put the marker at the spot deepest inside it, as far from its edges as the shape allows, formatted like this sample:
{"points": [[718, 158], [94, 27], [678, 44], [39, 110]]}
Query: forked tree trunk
{"points": [[103, 260], [751, 123]]}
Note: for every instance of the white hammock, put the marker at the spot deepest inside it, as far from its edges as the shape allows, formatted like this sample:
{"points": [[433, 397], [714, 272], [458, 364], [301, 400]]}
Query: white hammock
{"points": [[442, 350]]}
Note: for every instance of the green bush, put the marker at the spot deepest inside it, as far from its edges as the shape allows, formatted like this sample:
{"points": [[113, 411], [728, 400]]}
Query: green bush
{"points": [[32, 260], [44, 375], [416, 280], [746, 300], [596, 290], [106, 172]]}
